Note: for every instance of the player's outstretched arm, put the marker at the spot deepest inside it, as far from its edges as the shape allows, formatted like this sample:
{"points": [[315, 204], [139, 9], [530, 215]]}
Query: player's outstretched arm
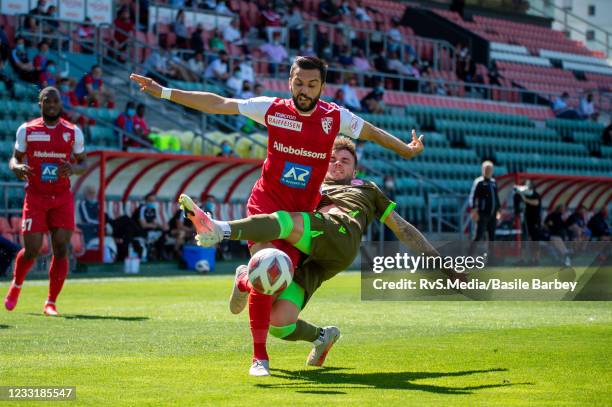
{"points": [[203, 101], [389, 141], [409, 235]]}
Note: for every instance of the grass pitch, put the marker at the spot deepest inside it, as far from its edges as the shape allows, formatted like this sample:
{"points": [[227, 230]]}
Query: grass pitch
{"points": [[172, 341]]}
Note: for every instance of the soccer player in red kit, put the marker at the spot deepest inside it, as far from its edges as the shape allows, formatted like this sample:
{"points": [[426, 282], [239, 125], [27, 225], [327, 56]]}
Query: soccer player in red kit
{"points": [[301, 134], [47, 152]]}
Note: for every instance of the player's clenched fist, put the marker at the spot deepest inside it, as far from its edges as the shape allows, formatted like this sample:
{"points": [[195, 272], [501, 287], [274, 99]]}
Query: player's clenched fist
{"points": [[147, 85], [22, 171]]}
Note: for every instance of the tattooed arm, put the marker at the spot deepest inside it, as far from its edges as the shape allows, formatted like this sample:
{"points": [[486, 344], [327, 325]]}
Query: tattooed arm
{"points": [[409, 235]]}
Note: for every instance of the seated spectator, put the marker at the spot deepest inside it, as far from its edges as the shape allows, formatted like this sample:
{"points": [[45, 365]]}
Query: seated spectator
{"points": [[91, 90], [141, 128], [196, 65], [272, 23], [377, 39], [152, 229], [180, 30], [215, 42], [161, 65], [276, 54], [226, 150], [246, 70], [360, 62], [395, 65], [329, 11], [345, 59], [21, 63], [587, 108], [246, 92], [294, 21], [69, 102], [258, 90], [373, 101], [31, 22], [196, 42], [561, 108], [87, 30], [361, 12], [232, 34], [51, 25], [124, 27], [125, 121], [234, 82], [307, 50], [339, 97], [396, 40], [350, 100], [222, 8], [381, 63], [47, 77], [606, 137], [494, 77], [40, 60], [8, 81], [219, 69], [576, 224], [598, 225], [89, 214], [182, 230]]}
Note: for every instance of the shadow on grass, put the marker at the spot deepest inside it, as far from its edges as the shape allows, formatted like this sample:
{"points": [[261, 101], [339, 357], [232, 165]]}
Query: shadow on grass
{"points": [[335, 379], [98, 317], [5, 326]]}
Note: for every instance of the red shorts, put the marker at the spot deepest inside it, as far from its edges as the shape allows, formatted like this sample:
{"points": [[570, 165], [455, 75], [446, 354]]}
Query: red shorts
{"points": [[257, 209], [42, 213]]}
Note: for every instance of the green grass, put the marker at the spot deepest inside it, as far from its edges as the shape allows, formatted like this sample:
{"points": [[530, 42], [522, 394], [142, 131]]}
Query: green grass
{"points": [[172, 341]]}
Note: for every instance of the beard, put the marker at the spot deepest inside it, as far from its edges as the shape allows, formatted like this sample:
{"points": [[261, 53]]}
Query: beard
{"points": [[54, 118], [340, 181], [313, 103]]}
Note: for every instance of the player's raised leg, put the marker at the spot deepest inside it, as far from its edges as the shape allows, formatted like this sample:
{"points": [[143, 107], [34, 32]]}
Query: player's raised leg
{"points": [[26, 257], [58, 270]]}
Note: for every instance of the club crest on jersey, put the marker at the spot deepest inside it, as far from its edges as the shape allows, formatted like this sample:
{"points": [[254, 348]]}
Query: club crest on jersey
{"points": [[326, 123], [66, 137], [296, 175]]}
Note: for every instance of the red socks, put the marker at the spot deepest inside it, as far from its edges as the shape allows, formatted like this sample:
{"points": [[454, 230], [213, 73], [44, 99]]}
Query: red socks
{"points": [[243, 283], [57, 275], [22, 267], [260, 307]]}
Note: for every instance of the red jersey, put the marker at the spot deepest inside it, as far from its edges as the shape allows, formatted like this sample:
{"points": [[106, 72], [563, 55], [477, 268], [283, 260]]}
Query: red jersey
{"points": [[299, 150], [46, 148]]}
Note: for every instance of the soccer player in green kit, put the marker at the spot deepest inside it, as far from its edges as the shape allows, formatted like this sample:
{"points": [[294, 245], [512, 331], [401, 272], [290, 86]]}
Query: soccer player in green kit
{"points": [[330, 239]]}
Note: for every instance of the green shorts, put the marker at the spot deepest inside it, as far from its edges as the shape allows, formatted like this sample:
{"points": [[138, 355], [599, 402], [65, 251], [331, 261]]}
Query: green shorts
{"points": [[335, 244]]}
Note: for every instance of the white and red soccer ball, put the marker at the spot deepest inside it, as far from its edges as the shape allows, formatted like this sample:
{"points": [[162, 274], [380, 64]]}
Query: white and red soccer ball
{"points": [[270, 271]]}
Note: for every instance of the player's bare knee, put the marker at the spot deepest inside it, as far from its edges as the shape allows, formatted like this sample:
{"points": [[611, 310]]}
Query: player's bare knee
{"points": [[298, 227], [31, 252], [284, 313]]}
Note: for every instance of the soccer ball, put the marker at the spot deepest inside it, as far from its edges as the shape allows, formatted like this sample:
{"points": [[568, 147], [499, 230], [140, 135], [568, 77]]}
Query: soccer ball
{"points": [[270, 271], [202, 266]]}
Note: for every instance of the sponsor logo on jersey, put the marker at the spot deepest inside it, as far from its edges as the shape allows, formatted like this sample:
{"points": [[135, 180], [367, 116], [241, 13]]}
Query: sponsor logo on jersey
{"points": [[285, 116], [48, 172], [48, 154], [298, 151], [296, 175], [327, 123], [66, 137], [38, 136], [284, 123]]}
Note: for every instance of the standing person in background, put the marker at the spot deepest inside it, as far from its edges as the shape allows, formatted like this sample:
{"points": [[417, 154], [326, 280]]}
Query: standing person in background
{"points": [[484, 203]]}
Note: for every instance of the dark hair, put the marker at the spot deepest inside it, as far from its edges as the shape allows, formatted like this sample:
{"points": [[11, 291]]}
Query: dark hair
{"points": [[48, 89], [345, 143], [130, 104], [310, 63]]}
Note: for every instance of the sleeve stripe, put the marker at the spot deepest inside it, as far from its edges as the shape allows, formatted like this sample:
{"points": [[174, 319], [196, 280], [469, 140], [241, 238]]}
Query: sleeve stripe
{"points": [[389, 209]]}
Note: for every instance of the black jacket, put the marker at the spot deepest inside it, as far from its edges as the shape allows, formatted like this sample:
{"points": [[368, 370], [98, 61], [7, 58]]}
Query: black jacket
{"points": [[484, 197]]}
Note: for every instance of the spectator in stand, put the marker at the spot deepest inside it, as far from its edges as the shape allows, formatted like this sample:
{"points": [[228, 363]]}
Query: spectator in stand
{"points": [[69, 102], [377, 39], [196, 41], [8, 82], [226, 150], [557, 231], [235, 82], [143, 18], [329, 11], [86, 32], [162, 64], [246, 70], [307, 50], [51, 25], [31, 22], [576, 226], [126, 122], [396, 40], [272, 23], [373, 101], [182, 230], [598, 226], [360, 62], [232, 34], [395, 65], [606, 137], [197, 66], [91, 90], [219, 69], [276, 54], [494, 77], [222, 8], [124, 27], [561, 108], [339, 97], [258, 90], [247, 91], [381, 63], [47, 77], [361, 12], [141, 128], [215, 42], [5, 47], [152, 229], [587, 108], [345, 59], [180, 30], [345, 9], [40, 60], [89, 211], [294, 21], [21, 63], [350, 100]]}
